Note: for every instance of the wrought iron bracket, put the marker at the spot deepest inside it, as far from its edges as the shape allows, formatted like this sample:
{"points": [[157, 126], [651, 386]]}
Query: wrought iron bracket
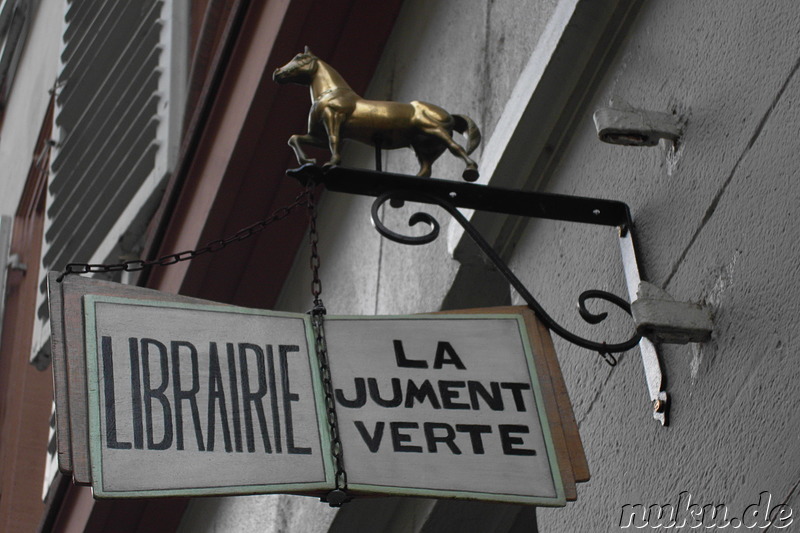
{"points": [[451, 196]]}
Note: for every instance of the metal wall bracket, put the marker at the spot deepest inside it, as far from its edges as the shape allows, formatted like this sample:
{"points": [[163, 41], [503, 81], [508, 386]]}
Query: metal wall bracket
{"points": [[636, 127], [658, 314], [661, 319]]}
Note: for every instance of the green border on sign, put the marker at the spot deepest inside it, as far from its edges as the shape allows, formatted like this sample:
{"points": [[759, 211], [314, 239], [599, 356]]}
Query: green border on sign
{"points": [[559, 500], [95, 433]]}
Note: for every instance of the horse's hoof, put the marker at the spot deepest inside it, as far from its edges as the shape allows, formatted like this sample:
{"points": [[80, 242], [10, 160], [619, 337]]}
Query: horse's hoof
{"points": [[471, 174]]}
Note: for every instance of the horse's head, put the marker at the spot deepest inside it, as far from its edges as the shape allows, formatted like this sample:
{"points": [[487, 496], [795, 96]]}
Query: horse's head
{"points": [[299, 70]]}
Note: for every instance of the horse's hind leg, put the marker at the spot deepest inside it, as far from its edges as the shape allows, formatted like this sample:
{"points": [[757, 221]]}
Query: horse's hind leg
{"points": [[426, 157], [425, 168], [471, 172]]}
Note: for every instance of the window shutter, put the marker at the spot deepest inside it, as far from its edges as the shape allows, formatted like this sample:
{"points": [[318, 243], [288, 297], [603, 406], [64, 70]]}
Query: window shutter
{"points": [[119, 99], [51, 462]]}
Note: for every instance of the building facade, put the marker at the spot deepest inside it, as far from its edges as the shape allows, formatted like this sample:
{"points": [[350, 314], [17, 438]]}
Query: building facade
{"points": [[132, 131]]}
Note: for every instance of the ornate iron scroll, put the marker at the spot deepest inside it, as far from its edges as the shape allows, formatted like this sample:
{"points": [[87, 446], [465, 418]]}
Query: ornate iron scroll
{"points": [[452, 195], [604, 349]]}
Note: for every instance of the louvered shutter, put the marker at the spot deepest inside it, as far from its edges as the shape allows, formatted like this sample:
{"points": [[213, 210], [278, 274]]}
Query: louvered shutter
{"points": [[116, 131], [51, 462]]}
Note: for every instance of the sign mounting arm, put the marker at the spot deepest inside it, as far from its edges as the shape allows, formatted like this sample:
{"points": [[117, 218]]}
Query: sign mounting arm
{"points": [[451, 195]]}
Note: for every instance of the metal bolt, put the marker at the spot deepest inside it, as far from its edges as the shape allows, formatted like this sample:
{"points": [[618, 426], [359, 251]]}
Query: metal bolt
{"points": [[658, 406], [336, 498]]}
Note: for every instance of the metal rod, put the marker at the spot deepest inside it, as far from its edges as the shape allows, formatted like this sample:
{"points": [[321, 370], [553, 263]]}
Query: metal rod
{"points": [[649, 353], [471, 196]]}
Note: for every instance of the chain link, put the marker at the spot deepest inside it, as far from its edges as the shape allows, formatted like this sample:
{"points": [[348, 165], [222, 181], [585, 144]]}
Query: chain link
{"points": [[339, 495], [135, 265]]}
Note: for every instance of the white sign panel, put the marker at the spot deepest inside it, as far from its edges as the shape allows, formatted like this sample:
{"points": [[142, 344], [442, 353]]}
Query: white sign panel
{"points": [[189, 399], [193, 399], [446, 406]]}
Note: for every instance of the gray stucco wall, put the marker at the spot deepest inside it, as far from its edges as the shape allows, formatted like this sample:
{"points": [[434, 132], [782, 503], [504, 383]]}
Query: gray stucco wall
{"points": [[714, 219], [714, 223]]}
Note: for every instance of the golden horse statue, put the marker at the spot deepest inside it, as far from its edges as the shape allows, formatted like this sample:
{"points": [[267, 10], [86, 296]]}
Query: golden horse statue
{"points": [[337, 113]]}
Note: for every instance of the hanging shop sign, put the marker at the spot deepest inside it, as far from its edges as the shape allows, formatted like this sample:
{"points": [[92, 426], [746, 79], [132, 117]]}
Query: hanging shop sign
{"points": [[163, 395]]}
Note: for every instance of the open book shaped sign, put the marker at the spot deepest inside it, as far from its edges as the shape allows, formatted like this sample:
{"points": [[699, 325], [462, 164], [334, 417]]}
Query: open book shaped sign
{"points": [[185, 398]]}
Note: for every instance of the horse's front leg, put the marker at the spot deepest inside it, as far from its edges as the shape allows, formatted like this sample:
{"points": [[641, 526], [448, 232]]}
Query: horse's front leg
{"points": [[333, 124], [296, 140]]}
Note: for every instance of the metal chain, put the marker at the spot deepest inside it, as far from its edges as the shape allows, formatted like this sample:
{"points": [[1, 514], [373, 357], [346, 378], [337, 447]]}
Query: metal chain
{"points": [[187, 255], [313, 241], [338, 496]]}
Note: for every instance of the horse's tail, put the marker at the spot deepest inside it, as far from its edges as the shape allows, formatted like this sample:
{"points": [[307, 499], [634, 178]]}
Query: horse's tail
{"points": [[465, 126]]}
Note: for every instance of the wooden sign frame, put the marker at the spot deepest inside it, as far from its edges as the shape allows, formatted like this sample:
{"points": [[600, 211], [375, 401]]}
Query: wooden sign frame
{"points": [[73, 400]]}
